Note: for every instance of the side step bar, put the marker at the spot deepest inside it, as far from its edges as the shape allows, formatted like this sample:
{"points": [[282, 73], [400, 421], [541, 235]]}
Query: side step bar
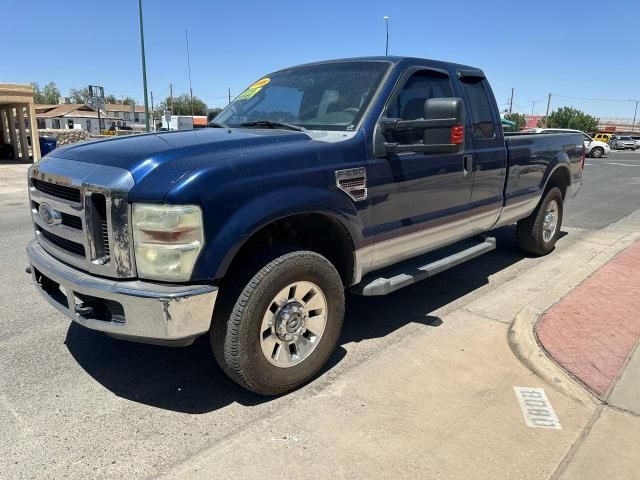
{"points": [[405, 274]]}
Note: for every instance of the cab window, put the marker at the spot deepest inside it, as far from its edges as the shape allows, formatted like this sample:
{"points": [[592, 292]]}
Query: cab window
{"points": [[479, 107], [408, 104]]}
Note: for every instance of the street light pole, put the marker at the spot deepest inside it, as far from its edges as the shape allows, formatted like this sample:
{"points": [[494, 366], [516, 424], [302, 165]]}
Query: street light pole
{"points": [[144, 69], [186, 36], [386, 47], [633, 127]]}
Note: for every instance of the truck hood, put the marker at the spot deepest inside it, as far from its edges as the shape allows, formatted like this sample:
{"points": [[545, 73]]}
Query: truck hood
{"points": [[163, 158]]}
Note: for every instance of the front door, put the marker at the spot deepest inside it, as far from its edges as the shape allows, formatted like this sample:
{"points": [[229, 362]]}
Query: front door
{"points": [[417, 200]]}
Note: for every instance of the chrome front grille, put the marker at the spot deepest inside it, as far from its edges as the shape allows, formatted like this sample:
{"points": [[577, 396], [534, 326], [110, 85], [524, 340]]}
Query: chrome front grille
{"points": [[105, 237], [81, 215], [58, 191], [72, 221], [63, 243]]}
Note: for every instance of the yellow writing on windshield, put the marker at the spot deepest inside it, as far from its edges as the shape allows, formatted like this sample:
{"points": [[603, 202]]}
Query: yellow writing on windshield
{"points": [[253, 89]]}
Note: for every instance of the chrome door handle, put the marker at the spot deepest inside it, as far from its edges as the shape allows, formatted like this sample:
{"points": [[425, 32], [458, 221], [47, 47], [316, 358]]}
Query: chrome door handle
{"points": [[467, 165]]}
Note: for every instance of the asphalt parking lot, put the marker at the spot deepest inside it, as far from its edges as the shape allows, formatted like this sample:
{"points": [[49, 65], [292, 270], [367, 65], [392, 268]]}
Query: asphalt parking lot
{"points": [[78, 404]]}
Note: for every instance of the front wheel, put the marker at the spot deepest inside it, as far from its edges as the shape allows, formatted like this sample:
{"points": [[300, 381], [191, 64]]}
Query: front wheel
{"points": [[284, 324], [537, 234], [597, 152]]}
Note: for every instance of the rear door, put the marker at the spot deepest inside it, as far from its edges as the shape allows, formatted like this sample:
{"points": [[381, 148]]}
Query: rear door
{"points": [[489, 152]]}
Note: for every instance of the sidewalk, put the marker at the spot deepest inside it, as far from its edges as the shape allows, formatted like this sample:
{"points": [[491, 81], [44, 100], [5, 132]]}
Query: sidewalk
{"points": [[442, 402], [593, 331], [593, 334]]}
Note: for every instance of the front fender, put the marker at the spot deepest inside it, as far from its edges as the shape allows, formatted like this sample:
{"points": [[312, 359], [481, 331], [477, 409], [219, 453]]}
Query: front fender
{"points": [[223, 244]]}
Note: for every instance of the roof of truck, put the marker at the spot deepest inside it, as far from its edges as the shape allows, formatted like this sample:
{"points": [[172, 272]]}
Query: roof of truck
{"points": [[391, 59]]}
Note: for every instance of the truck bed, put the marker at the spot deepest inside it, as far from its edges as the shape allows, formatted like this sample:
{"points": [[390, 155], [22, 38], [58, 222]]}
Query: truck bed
{"points": [[532, 158]]}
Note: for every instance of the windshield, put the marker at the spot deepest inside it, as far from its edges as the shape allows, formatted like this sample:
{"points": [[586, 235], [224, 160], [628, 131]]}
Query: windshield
{"points": [[624, 138], [329, 96]]}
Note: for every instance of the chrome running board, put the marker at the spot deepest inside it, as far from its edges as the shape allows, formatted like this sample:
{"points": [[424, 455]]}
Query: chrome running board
{"points": [[412, 271]]}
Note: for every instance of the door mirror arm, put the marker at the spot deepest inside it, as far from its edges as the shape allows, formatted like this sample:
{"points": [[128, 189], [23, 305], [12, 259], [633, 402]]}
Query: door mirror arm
{"points": [[442, 124]]}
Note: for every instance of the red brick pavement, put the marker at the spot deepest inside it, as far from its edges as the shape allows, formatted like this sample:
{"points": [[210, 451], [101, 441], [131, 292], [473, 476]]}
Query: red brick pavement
{"points": [[592, 331]]}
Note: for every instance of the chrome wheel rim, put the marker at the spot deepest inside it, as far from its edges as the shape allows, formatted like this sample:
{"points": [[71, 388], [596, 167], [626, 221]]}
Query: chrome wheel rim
{"points": [[550, 222], [293, 324]]}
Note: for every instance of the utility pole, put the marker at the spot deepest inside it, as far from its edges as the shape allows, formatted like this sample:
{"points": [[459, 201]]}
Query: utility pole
{"points": [[171, 96], [533, 105], [546, 115], [186, 35], [152, 115], [386, 47], [633, 127], [229, 95], [144, 69], [511, 102]]}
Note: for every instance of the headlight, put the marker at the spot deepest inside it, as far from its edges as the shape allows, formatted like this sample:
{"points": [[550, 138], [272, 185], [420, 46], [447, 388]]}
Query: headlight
{"points": [[167, 240]]}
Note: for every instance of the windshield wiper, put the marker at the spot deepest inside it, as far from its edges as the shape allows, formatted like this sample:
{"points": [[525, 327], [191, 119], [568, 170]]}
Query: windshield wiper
{"points": [[216, 125], [272, 124]]}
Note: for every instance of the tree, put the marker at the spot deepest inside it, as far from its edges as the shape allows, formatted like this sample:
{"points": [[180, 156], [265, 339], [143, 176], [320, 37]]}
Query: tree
{"points": [[110, 99], [37, 93], [79, 95], [49, 95], [569, 117], [128, 100], [518, 118], [182, 105], [213, 113]]}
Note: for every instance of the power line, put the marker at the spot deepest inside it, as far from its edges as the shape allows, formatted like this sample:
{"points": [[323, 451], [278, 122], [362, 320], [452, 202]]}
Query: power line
{"points": [[595, 99]]}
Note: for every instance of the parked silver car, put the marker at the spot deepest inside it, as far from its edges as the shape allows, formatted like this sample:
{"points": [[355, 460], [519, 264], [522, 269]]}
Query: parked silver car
{"points": [[636, 138], [623, 143]]}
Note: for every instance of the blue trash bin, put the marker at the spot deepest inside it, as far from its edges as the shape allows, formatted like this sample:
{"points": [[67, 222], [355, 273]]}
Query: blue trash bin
{"points": [[47, 144]]}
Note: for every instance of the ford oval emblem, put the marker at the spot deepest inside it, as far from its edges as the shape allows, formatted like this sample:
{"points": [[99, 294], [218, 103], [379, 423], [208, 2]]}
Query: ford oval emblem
{"points": [[49, 215]]}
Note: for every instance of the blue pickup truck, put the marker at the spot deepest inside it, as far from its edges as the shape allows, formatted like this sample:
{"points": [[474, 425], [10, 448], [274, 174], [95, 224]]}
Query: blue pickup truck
{"points": [[367, 174]]}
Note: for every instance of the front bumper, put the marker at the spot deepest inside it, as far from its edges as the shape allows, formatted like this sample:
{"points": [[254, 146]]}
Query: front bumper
{"points": [[132, 309]]}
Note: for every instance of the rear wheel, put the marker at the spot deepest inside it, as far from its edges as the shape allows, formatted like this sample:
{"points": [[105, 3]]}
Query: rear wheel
{"points": [[282, 327], [537, 234], [597, 152]]}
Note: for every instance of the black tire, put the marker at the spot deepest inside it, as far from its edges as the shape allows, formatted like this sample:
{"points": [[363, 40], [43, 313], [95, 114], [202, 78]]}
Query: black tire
{"points": [[236, 326], [597, 152], [530, 231]]}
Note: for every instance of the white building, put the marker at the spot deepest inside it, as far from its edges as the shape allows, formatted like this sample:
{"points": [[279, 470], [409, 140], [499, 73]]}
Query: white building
{"points": [[126, 115], [71, 116], [85, 117]]}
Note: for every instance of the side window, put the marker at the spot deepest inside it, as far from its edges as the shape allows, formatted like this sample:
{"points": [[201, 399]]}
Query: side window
{"points": [[409, 103], [479, 107]]}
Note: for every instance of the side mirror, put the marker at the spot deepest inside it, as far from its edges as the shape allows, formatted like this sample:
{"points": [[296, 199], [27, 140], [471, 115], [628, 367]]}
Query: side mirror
{"points": [[449, 138], [442, 124]]}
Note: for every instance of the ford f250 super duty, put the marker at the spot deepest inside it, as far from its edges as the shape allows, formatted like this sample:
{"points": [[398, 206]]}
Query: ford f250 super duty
{"points": [[369, 174]]}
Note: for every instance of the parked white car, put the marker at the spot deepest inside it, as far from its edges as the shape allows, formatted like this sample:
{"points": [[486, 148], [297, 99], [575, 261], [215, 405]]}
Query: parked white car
{"points": [[594, 148], [636, 138]]}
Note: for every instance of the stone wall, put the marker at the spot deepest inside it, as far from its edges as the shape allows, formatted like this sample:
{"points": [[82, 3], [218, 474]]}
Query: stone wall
{"points": [[65, 136]]}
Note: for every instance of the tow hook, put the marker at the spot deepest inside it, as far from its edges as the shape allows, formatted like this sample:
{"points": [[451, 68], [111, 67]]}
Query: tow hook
{"points": [[83, 310]]}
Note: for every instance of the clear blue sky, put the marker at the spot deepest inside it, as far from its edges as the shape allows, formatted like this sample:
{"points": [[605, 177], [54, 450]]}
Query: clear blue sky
{"points": [[577, 48]]}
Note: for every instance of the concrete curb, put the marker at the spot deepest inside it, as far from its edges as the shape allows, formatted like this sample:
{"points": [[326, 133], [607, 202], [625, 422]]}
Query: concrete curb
{"points": [[522, 338], [524, 344]]}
